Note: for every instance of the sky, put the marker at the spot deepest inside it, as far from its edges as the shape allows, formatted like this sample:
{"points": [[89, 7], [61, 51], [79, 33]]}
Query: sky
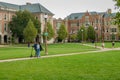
{"points": [[63, 8]]}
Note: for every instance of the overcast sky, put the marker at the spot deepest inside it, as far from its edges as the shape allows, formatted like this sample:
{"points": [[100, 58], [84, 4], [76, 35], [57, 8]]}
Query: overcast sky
{"points": [[63, 8]]}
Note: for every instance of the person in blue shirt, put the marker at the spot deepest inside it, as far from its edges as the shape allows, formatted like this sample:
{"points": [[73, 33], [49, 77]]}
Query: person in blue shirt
{"points": [[38, 49]]}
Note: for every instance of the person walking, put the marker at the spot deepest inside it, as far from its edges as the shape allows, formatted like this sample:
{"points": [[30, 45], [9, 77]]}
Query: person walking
{"points": [[35, 48], [103, 45], [113, 44], [41, 48], [38, 49]]}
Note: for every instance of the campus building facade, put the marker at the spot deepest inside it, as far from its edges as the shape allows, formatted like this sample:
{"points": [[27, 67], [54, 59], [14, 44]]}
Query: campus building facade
{"points": [[7, 11], [99, 20]]}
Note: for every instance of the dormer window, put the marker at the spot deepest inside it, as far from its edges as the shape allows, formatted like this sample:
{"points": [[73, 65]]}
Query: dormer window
{"points": [[76, 17]]}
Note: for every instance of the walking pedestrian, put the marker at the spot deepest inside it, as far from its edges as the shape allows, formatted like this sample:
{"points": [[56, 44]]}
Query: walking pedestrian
{"points": [[38, 49], [103, 45], [113, 44]]}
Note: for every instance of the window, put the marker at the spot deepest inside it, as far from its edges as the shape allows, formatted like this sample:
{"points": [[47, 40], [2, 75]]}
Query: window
{"points": [[74, 24], [113, 30], [76, 17], [97, 21], [5, 17], [107, 30], [0, 27], [58, 25], [87, 23], [5, 27], [0, 16], [78, 24]]}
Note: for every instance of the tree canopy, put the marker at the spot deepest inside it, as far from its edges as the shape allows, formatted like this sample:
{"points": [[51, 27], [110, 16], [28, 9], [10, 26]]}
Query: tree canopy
{"points": [[91, 33], [50, 31], [62, 32], [30, 32], [82, 34], [19, 22], [117, 17]]}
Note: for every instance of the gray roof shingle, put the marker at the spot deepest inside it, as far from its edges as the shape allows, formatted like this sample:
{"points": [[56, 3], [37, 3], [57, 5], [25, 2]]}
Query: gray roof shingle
{"points": [[8, 5], [33, 8], [80, 15]]}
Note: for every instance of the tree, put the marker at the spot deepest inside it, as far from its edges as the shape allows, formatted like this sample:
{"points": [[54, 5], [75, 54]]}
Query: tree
{"points": [[19, 22], [117, 16], [62, 33], [50, 31], [30, 32], [91, 33], [117, 4], [73, 37], [82, 34]]}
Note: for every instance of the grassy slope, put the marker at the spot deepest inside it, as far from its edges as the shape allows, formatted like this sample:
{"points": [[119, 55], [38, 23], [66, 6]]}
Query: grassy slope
{"points": [[18, 52], [95, 66]]}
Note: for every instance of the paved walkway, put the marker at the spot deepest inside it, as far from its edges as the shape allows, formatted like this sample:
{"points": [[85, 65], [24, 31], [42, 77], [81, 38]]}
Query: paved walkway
{"points": [[101, 50]]}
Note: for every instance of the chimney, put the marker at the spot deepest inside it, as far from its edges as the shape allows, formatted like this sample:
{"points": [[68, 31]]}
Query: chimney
{"points": [[109, 11]]}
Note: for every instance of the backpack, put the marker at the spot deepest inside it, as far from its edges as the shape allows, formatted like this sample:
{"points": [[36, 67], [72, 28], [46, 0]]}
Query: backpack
{"points": [[41, 49]]}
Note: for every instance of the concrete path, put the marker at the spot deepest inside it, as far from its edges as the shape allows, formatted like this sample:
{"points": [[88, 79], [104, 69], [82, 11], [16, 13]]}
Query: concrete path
{"points": [[58, 55]]}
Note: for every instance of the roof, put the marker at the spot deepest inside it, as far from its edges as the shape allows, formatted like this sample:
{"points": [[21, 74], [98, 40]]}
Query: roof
{"points": [[8, 5], [80, 15], [75, 16], [33, 8], [106, 15]]}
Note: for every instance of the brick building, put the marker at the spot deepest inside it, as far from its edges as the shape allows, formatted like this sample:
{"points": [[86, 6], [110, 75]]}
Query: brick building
{"points": [[99, 20], [7, 10]]}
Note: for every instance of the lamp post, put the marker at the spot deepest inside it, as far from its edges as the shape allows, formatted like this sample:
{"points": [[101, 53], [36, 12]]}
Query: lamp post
{"points": [[10, 37], [82, 35], [46, 34], [103, 30]]}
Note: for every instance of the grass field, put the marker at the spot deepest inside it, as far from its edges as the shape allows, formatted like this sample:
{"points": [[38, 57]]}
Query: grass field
{"points": [[19, 51], [94, 66], [107, 44]]}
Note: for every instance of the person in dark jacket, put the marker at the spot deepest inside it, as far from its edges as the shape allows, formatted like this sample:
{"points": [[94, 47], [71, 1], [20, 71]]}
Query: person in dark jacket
{"points": [[41, 49], [35, 48]]}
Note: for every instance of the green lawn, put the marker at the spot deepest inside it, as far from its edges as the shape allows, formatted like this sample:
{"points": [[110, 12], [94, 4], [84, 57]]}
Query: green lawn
{"points": [[19, 51], [108, 44], [94, 66]]}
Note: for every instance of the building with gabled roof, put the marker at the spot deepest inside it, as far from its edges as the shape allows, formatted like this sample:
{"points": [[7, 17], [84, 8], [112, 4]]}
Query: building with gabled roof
{"points": [[7, 10], [74, 22]]}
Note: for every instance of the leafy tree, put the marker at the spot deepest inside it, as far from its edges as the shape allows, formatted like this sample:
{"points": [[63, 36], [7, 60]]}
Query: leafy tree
{"points": [[50, 31], [117, 16], [62, 33], [91, 33], [19, 22], [30, 32], [117, 4], [73, 37], [82, 34]]}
